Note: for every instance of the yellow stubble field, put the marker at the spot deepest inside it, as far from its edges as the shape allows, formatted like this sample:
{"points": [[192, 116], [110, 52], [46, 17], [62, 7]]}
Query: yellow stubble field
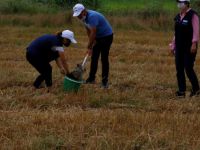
{"points": [[139, 111]]}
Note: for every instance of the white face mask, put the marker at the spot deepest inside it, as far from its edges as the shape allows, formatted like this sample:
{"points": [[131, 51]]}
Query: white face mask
{"points": [[181, 5]]}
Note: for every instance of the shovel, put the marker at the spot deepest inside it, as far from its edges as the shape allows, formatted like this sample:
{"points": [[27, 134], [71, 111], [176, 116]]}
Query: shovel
{"points": [[84, 61], [77, 73]]}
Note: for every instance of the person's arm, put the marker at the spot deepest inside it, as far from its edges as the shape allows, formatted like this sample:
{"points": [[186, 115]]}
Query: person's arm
{"points": [[60, 66], [195, 39], [172, 46], [92, 24], [62, 63], [92, 37], [88, 31]]}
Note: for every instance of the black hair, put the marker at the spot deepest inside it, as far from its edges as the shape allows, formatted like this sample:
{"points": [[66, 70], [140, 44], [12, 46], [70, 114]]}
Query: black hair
{"points": [[187, 3], [59, 35]]}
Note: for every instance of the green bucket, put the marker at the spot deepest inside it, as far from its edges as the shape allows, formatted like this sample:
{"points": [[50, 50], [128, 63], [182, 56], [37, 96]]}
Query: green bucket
{"points": [[71, 85]]}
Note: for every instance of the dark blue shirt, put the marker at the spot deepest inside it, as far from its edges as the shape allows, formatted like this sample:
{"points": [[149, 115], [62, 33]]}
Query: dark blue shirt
{"points": [[45, 45]]}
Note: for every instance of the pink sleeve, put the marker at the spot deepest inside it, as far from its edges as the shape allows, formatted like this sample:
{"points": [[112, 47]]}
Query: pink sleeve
{"points": [[195, 24]]}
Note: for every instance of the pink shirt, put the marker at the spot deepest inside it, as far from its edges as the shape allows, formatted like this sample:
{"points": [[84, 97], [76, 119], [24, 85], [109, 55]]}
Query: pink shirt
{"points": [[195, 25]]}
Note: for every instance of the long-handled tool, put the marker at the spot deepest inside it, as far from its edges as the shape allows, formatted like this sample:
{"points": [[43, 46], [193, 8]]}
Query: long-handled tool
{"points": [[84, 61], [77, 73]]}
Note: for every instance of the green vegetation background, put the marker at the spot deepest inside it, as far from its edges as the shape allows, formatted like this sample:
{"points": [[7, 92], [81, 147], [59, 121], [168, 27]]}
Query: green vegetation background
{"points": [[108, 6], [137, 14]]}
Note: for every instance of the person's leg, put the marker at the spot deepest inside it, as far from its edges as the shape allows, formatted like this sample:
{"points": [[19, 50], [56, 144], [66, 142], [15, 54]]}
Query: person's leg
{"points": [[44, 68], [189, 67], [180, 74], [34, 62], [105, 59], [38, 81], [94, 63], [47, 73]]}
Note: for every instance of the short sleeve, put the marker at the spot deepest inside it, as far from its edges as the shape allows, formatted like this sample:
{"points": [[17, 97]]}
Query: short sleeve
{"points": [[58, 48], [93, 21]]}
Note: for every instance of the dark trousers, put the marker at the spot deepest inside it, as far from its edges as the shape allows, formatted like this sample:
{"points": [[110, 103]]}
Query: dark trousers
{"points": [[102, 47], [43, 67], [185, 63]]}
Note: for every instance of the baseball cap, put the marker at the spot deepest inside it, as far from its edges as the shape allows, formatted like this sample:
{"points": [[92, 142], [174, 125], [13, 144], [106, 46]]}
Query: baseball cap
{"points": [[68, 35], [183, 1], [77, 9]]}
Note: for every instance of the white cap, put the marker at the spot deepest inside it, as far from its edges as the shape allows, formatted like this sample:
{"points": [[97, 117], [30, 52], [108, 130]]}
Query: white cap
{"points": [[77, 9], [68, 35], [183, 0]]}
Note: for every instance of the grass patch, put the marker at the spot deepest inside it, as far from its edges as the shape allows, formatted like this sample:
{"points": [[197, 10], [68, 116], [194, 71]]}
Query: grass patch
{"points": [[25, 6], [114, 7], [125, 7], [100, 102], [47, 142], [139, 110]]}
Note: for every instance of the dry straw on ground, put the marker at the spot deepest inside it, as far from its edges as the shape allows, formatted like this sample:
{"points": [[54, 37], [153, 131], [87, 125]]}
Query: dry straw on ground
{"points": [[139, 110]]}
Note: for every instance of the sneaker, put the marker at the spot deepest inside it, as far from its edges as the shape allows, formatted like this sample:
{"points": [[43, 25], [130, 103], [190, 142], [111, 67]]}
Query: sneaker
{"points": [[194, 93], [104, 85], [89, 81], [180, 94]]}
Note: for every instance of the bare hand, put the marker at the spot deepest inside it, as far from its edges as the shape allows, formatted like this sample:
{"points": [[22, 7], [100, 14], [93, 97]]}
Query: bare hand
{"points": [[172, 49], [194, 48], [89, 52], [172, 52]]}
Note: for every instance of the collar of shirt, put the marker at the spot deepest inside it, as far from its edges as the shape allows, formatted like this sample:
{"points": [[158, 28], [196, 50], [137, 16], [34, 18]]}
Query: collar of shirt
{"points": [[182, 15]]}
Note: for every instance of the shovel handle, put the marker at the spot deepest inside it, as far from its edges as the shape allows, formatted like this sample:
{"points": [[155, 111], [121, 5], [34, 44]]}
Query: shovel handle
{"points": [[84, 61]]}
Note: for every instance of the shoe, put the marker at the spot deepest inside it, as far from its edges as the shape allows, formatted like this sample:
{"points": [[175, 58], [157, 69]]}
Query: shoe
{"points": [[105, 85], [39, 87], [89, 81], [180, 94], [194, 93]]}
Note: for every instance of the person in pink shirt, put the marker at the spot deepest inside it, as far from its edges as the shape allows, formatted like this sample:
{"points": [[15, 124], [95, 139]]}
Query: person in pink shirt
{"points": [[184, 47]]}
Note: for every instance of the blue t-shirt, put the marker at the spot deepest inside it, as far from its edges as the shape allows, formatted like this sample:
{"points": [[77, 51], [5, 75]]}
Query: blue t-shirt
{"points": [[45, 45], [96, 19]]}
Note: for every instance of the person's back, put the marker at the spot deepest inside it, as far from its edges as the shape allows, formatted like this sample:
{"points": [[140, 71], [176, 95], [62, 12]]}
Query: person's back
{"points": [[43, 45], [96, 19]]}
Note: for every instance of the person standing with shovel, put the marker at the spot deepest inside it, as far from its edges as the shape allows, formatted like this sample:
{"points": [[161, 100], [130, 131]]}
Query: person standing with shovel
{"points": [[45, 49], [100, 36], [184, 47]]}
